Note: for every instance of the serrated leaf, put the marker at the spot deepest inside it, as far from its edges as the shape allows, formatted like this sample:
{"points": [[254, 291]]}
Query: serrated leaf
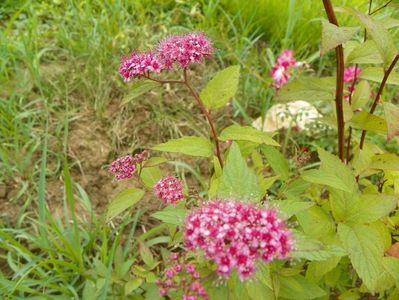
{"points": [[277, 161], [386, 161], [146, 254], [132, 285], [377, 74], [221, 87], [290, 207], [299, 288], [189, 145], [123, 201], [365, 53], [238, 180], [317, 269], [372, 207], [333, 36], [314, 250], [391, 265], [150, 176], [366, 250], [309, 89], [169, 215], [316, 223], [246, 133], [392, 118], [139, 88], [366, 121], [382, 38]]}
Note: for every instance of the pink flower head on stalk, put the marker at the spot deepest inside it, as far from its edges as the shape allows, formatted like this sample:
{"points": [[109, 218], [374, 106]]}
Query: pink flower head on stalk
{"points": [[350, 74], [234, 235], [169, 190], [140, 157], [281, 71], [184, 49], [123, 167], [286, 59], [138, 64]]}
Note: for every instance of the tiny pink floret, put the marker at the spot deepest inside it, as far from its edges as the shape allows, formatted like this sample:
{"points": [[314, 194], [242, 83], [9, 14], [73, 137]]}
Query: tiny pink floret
{"points": [[281, 71], [235, 235], [123, 167], [169, 190]]}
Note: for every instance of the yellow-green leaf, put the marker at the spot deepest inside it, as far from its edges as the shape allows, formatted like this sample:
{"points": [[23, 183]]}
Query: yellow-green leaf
{"points": [[332, 36]]}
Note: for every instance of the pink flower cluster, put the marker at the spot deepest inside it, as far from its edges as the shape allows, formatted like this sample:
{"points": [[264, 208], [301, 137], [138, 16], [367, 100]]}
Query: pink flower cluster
{"points": [[185, 49], [180, 50], [281, 71], [169, 190], [125, 166], [235, 235], [182, 276]]}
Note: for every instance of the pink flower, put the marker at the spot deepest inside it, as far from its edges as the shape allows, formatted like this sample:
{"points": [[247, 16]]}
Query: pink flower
{"points": [[162, 292], [140, 157], [184, 49], [174, 256], [123, 167], [280, 75], [177, 268], [169, 273], [286, 59], [169, 190], [190, 268], [235, 235], [350, 74], [138, 64]]}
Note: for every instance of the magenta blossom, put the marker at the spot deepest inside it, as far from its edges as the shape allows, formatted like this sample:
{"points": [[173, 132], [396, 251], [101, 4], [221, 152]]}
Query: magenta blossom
{"points": [[123, 167], [282, 70], [350, 74], [184, 49], [169, 190], [235, 235], [139, 64]]}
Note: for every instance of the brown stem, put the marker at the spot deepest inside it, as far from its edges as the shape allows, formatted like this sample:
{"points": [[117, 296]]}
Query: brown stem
{"points": [[339, 83], [208, 116], [348, 145], [201, 105], [379, 93], [381, 7]]}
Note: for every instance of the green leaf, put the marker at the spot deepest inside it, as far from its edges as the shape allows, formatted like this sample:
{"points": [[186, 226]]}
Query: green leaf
{"points": [[299, 288], [377, 74], [391, 265], [290, 207], [308, 88], [123, 201], [146, 254], [316, 223], [154, 161], [277, 161], [365, 53], [138, 89], [342, 204], [361, 95], [238, 180], [132, 285], [313, 250], [317, 269], [171, 215], [386, 161], [366, 250], [189, 145], [246, 133], [371, 207], [332, 36], [379, 34], [392, 118], [367, 121], [150, 176], [221, 87]]}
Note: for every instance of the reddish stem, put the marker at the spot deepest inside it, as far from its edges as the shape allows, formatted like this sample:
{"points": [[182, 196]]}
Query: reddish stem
{"points": [[339, 83], [378, 96]]}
